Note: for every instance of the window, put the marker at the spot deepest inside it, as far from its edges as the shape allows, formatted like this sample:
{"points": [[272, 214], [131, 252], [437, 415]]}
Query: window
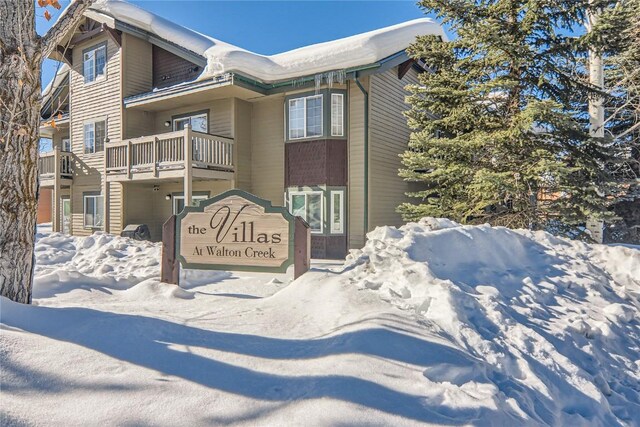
{"points": [[308, 205], [198, 122], [94, 135], [93, 210], [337, 114], [336, 213], [305, 117], [178, 201], [93, 62], [66, 145]]}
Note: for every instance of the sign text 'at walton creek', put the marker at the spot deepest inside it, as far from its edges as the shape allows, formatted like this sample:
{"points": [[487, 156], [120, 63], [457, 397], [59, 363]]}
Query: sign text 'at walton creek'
{"points": [[233, 230]]}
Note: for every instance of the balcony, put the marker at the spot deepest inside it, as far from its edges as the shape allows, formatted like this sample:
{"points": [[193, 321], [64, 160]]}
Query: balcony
{"points": [[166, 155], [54, 164]]}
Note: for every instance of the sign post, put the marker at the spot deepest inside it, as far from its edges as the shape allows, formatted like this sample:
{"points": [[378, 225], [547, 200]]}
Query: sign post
{"points": [[235, 231]]}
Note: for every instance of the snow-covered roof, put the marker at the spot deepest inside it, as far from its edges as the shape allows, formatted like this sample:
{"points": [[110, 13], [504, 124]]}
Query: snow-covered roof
{"points": [[221, 57]]}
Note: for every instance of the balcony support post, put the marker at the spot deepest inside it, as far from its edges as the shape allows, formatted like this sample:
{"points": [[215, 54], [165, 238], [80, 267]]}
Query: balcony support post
{"points": [[105, 193], [188, 170], [57, 159]]}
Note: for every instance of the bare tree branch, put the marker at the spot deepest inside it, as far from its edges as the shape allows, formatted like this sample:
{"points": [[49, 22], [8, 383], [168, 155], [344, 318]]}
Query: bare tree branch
{"points": [[67, 21]]}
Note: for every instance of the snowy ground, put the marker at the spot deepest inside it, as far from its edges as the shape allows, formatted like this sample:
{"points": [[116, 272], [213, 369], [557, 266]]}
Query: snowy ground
{"points": [[432, 323]]}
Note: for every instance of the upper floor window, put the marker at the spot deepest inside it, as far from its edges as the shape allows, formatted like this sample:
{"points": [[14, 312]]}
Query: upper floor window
{"points": [[305, 117], [93, 62], [197, 121], [337, 114], [94, 135]]}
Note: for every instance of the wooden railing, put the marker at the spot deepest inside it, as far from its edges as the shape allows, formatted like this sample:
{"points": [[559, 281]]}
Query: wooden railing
{"points": [[47, 164], [167, 151]]}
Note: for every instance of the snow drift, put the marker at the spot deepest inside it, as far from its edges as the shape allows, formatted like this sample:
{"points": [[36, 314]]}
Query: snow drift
{"points": [[552, 323], [432, 322]]}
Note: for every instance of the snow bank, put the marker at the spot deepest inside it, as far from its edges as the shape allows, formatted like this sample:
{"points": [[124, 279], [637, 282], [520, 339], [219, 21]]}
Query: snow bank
{"points": [[362, 49], [430, 323], [553, 323], [100, 262]]}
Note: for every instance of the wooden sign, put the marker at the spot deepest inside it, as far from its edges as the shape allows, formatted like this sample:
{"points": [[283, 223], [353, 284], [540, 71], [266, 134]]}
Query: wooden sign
{"points": [[236, 231]]}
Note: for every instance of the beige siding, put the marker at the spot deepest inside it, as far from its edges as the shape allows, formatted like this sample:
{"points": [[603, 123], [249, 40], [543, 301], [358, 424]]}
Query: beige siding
{"points": [[220, 116], [101, 99], [242, 144], [356, 165], [96, 100], [82, 185], [143, 205], [115, 207], [267, 149], [140, 123], [137, 66], [388, 137]]}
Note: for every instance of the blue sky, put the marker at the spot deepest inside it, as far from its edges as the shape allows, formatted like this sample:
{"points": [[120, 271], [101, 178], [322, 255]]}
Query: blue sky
{"points": [[270, 27]]}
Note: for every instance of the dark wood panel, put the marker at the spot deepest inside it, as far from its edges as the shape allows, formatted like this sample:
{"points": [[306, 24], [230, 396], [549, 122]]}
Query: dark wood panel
{"points": [[318, 162], [170, 69]]}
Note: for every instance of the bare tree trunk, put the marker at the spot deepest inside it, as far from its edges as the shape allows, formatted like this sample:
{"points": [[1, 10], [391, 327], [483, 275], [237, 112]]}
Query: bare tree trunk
{"points": [[19, 121], [21, 53]]}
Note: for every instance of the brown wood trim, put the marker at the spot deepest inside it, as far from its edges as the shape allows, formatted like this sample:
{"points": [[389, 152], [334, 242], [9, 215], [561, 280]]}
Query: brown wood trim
{"points": [[404, 68], [66, 55]]}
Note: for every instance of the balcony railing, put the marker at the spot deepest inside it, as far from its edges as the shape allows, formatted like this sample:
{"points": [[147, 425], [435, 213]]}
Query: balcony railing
{"points": [[168, 151], [48, 161]]}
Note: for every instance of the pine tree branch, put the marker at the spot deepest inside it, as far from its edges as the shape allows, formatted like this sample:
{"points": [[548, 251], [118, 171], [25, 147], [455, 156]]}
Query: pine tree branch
{"points": [[67, 21]]}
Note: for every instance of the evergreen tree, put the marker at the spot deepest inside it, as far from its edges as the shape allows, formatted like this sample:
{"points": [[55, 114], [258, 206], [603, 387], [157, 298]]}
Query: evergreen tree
{"points": [[500, 125]]}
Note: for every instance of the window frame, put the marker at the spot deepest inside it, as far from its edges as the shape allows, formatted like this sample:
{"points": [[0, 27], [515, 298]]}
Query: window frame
{"points": [[190, 115], [305, 118], [197, 195], [68, 140], [84, 135], [92, 195], [342, 122], [306, 193], [331, 209], [326, 94], [96, 77]]}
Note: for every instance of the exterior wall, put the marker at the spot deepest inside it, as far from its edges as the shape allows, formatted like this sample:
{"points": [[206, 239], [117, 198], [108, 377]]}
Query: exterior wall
{"points": [[170, 69], [388, 137], [242, 143], [144, 205], [45, 201], [220, 117], [320, 162], [101, 99], [136, 78], [137, 65], [115, 208], [356, 165], [267, 149]]}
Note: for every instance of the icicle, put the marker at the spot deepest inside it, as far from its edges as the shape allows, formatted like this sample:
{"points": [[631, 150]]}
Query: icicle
{"points": [[318, 82], [330, 76], [341, 76]]}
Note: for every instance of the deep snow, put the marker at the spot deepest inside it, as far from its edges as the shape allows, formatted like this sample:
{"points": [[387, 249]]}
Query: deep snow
{"points": [[431, 322], [222, 57]]}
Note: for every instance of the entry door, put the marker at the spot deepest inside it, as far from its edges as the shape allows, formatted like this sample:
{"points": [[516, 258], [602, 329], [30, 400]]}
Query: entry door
{"points": [[66, 215]]}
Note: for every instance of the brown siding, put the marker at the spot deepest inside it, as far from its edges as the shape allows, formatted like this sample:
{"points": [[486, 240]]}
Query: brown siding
{"points": [[45, 198], [388, 138], [170, 69], [321, 162]]}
